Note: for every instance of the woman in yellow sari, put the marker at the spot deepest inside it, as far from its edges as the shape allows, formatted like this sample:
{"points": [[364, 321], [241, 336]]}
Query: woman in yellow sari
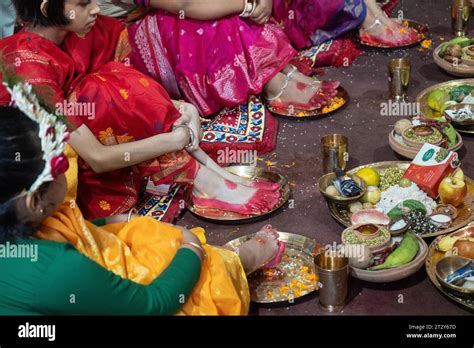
{"points": [[147, 267]]}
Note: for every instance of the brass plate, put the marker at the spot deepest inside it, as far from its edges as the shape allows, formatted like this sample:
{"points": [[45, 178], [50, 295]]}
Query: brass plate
{"points": [[299, 252], [295, 114], [422, 98], [434, 255], [464, 129], [420, 27], [425, 111], [249, 172], [465, 213]]}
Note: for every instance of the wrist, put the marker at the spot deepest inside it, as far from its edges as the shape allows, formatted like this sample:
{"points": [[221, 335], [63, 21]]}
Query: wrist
{"points": [[196, 248]]}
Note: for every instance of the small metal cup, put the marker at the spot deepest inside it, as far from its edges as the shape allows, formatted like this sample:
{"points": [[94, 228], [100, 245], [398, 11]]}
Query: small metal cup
{"points": [[399, 78], [333, 274], [334, 149], [460, 15]]}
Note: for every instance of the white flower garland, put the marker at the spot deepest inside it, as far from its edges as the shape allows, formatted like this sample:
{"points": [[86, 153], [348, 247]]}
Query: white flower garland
{"points": [[53, 134]]}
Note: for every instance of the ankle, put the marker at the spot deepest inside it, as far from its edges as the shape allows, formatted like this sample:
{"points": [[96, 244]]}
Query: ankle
{"points": [[273, 87]]}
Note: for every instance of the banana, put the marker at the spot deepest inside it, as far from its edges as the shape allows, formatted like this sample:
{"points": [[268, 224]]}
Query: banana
{"points": [[461, 41], [406, 251]]}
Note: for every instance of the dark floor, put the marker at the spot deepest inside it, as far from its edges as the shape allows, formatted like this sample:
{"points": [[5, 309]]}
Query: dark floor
{"points": [[366, 82]]}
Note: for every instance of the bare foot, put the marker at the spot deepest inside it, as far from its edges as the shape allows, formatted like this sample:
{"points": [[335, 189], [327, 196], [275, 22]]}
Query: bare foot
{"points": [[260, 250], [315, 84], [378, 28], [207, 161], [213, 191], [300, 95]]}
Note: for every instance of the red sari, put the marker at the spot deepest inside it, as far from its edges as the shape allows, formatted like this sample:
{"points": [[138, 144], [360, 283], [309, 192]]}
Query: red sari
{"points": [[94, 70]]}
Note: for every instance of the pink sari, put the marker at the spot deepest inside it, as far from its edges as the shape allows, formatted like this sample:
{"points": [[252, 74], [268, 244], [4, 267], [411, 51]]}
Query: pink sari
{"points": [[215, 64]]}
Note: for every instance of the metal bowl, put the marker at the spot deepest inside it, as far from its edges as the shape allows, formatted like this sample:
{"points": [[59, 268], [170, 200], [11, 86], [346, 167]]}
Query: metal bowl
{"points": [[400, 231], [447, 266], [328, 179]]}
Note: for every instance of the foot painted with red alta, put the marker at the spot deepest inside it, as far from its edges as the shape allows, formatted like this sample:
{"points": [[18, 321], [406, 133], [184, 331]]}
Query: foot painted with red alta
{"points": [[393, 35], [263, 251], [262, 201]]}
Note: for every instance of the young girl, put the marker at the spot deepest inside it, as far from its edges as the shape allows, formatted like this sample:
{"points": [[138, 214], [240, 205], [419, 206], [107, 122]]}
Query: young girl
{"points": [[135, 130], [142, 267]]}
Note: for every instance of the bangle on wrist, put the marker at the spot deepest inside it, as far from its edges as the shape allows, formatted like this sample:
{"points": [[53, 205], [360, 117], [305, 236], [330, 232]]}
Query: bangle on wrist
{"points": [[190, 132], [249, 8], [197, 246], [132, 211], [254, 7]]}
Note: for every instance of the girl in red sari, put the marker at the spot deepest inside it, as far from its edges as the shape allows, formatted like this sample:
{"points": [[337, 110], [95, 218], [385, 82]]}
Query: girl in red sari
{"points": [[126, 126]]}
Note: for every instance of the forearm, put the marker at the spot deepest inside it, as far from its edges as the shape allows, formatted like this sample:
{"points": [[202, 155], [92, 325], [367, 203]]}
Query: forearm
{"points": [[100, 292], [201, 9], [103, 158]]}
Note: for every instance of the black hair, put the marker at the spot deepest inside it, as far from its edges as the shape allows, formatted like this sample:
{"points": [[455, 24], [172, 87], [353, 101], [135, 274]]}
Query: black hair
{"points": [[21, 163], [30, 11]]}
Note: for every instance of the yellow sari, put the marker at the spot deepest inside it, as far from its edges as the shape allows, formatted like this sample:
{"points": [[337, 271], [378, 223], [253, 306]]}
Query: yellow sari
{"points": [[141, 249]]}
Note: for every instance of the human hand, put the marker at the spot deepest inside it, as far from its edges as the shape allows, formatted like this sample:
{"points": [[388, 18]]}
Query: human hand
{"points": [[181, 135], [262, 12], [191, 118]]}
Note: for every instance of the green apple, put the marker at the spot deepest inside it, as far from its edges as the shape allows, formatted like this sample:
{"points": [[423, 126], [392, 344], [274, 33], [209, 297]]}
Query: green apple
{"points": [[459, 174], [372, 195]]}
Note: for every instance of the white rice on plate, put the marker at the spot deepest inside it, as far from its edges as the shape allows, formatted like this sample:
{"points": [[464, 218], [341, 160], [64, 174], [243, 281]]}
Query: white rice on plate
{"points": [[396, 195]]}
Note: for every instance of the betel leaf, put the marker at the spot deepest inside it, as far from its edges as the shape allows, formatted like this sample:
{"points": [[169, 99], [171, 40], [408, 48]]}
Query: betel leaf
{"points": [[450, 132], [411, 204]]}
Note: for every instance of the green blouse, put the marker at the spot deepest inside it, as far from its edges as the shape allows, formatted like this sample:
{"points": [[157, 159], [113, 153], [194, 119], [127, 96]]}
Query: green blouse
{"points": [[62, 281]]}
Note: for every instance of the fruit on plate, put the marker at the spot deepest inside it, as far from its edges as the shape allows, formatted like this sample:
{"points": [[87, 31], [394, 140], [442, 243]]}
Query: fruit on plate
{"points": [[402, 255], [447, 243], [404, 182], [453, 48], [361, 256], [370, 216], [452, 191], [401, 125], [332, 191], [459, 174], [372, 195], [437, 100], [464, 248], [370, 176], [355, 207]]}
